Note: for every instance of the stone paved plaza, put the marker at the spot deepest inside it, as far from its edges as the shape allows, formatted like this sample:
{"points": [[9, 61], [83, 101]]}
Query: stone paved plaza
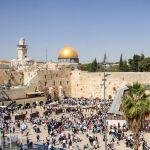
{"points": [[84, 140]]}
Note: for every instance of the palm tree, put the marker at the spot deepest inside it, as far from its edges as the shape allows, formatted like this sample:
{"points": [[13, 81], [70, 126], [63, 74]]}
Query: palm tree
{"points": [[135, 105]]}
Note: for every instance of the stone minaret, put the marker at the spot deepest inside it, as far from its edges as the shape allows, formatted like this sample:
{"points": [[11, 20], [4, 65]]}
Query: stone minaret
{"points": [[22, 49]]}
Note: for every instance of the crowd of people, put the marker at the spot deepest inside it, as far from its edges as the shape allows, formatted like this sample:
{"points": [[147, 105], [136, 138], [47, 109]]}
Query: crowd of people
{"points": [[67, 128], [85, 101]]}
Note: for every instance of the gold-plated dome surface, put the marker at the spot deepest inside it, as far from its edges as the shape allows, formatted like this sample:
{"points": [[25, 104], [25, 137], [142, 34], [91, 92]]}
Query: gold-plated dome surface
{"points": [[67, 52]]}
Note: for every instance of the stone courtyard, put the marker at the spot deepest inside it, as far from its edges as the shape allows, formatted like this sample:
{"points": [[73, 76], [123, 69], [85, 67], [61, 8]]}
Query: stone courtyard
{"points": [[84, 140]]}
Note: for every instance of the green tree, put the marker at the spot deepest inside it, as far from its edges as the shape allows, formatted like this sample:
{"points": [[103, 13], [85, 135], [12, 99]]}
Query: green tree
{"points": [[145, 64], [125, 66], [99, 67], [130, 64], [113, 68], [94, 66], [135, 105], [84, 67], [135, 61], [121, 63], [142, 56]]}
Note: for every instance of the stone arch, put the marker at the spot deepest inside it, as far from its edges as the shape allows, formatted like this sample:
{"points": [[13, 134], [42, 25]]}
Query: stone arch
{"points": [[34, 104], [27, 104], [20, 105]]}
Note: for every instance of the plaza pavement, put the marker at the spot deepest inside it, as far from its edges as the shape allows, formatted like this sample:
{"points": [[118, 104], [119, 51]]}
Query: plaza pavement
{"points": [[44, 133]]}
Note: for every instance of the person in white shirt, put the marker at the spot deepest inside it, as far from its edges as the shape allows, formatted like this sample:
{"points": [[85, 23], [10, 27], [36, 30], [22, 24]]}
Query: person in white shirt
{"points": [[62, 134], [94, 144], [49, 146], [70, 148], [64, 143]]}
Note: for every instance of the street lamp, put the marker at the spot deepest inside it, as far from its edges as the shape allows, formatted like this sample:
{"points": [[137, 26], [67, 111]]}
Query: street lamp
{"points": [[104, 85]]}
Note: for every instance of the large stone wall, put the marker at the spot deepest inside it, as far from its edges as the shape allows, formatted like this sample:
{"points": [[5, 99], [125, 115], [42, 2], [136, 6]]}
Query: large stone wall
{"points": [[61, 77], [15, 77], [86, 84], [74, 83]]}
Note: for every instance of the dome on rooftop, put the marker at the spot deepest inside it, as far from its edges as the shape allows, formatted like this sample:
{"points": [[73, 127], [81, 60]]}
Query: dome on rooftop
{"points": [[67, 52]]}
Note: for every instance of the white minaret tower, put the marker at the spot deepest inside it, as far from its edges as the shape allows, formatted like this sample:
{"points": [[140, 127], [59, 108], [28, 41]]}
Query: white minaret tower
{"points": [[22, 49]]}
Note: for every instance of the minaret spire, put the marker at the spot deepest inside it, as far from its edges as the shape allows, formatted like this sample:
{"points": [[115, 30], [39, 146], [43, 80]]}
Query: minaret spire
{"points": [[22, 49]]}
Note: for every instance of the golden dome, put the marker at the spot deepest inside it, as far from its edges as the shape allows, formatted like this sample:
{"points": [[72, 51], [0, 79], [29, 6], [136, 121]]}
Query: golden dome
{"points": [[67, 52]]}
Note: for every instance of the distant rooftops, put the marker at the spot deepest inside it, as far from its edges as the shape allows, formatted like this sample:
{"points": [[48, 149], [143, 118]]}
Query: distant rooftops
{"points": [[4, 62]]}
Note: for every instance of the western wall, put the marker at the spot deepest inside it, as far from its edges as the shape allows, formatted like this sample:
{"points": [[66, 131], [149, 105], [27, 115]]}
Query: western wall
{"points": [[86, 84], [62, 81]]}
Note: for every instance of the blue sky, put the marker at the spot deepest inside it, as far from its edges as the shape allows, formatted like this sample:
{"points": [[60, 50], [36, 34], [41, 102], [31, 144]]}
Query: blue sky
{"points": [[92, 27]]}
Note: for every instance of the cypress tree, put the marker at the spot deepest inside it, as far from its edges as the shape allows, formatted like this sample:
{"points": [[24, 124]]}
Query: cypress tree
{"points": [[121, 63], [94, 66]]}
